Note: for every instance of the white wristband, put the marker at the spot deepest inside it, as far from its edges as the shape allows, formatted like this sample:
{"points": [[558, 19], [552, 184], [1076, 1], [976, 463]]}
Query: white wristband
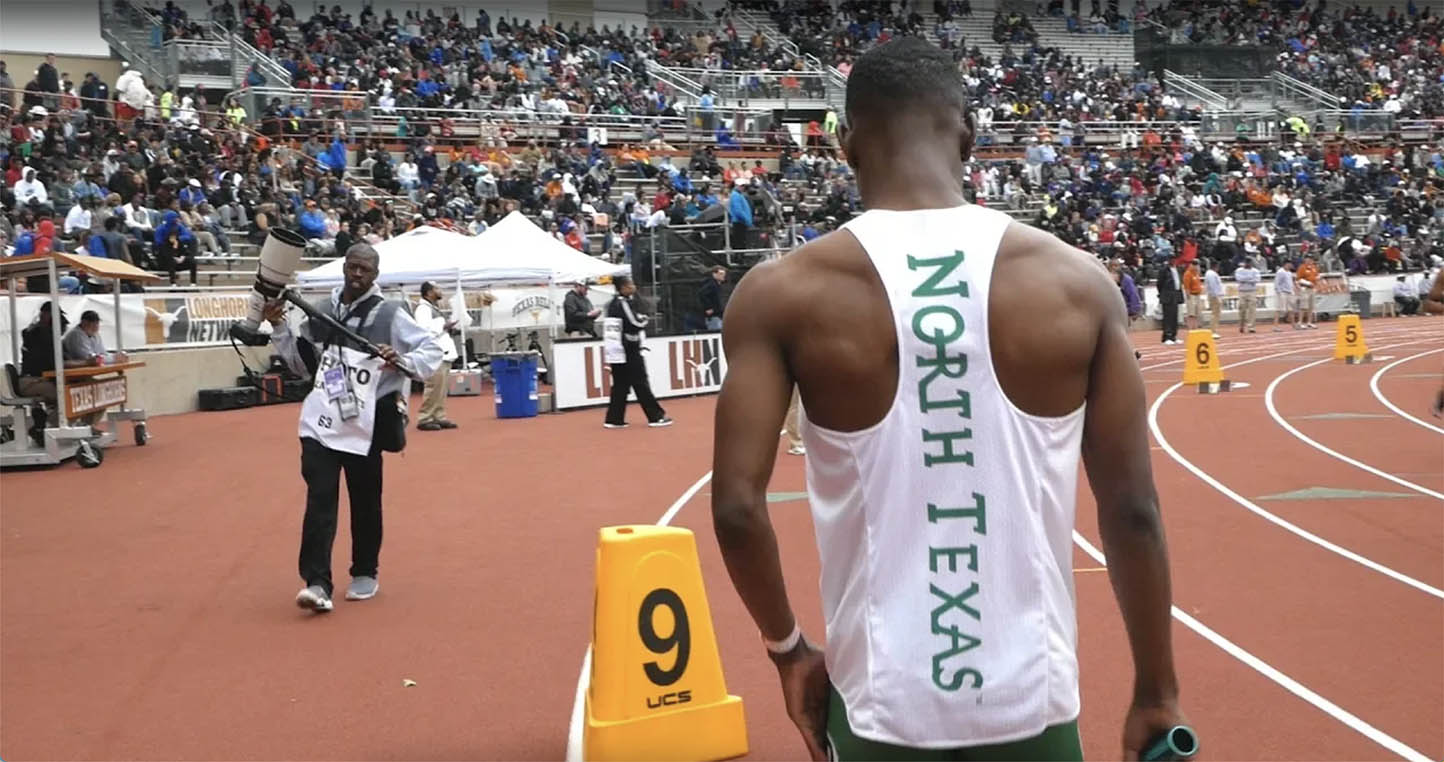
{"points": [[786, 644]]}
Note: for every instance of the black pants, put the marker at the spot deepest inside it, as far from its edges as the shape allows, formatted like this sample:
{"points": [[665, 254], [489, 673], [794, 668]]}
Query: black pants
{"points": [[626, 377], [1170, 321], [171, 258], [322, 467]]}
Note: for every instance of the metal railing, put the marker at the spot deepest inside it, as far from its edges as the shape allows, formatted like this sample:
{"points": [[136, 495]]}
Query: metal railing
{"points": [[137, 36], [275, 74], [1248, 92], [197, 58], [682, 85], [742, 86], [1304, 91], [747, 20], [501, 127], [1194, 89], [1265, 125], [353, 106]]}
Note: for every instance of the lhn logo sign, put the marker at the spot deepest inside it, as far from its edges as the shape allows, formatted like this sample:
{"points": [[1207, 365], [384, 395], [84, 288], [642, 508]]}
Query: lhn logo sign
{"points": [[695, 363]]}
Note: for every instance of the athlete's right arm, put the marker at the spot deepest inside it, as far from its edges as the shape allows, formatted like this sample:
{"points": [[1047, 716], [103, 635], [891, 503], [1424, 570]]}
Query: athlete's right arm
{"points": [[1116, 457], [750, 409]]}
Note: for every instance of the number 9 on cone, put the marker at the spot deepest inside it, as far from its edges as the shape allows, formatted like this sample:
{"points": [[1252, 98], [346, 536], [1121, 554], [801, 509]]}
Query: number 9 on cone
{"points": [[657, 689]]}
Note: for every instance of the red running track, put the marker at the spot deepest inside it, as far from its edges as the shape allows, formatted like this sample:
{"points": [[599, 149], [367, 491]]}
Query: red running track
{"points": [[147, 604]]}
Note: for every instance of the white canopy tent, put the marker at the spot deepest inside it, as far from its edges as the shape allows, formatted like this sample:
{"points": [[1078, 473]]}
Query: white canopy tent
{"points": [[516, 241], [514, 252], [429, 253]]}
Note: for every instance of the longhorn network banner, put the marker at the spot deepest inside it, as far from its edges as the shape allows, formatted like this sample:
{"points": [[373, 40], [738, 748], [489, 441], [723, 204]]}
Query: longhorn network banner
{"points": [[676, 366]]}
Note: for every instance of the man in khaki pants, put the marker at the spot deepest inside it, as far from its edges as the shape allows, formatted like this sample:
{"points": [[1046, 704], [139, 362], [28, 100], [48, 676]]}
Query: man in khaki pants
{"points": [[1213, 288], [433, 400], [1247, 278]]}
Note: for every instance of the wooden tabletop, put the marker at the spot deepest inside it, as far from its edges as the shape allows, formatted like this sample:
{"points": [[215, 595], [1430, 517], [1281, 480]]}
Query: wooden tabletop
{"points": [[97, 370]]}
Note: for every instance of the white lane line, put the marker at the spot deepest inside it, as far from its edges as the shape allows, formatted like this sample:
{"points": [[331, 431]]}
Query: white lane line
{"points": [[575, 736], [1249, 505], [1269, 671], [1378, 395], [1302, 437], [574, 730]]}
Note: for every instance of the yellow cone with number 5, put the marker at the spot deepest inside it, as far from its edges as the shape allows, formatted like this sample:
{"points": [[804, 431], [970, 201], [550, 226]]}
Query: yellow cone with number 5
{"points": [[1200, 362], [1349, 344], [656, 691]]}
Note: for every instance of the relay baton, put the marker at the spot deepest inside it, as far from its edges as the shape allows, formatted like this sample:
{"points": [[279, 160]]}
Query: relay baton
{"points": [[1177, 743]]}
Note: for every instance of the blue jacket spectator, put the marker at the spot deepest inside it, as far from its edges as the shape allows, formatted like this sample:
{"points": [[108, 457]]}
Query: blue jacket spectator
{"points": [[740, 208], [312, 222], [171, 224]]}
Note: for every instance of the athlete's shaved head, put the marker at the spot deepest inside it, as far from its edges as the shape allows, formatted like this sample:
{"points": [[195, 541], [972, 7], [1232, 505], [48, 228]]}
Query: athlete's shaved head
{"points": [[904, 74], [908, 123]]}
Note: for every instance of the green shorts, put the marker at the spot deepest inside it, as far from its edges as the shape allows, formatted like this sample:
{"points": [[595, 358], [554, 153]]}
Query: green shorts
{"points": [[1059, 742]]}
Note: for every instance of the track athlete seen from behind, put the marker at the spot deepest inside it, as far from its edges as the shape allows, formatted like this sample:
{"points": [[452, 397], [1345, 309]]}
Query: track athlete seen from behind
{"points": [[952, 366]]}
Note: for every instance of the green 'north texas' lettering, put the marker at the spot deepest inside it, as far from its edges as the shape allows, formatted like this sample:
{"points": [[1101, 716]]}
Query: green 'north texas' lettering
{"points": [[960, 642], [947, 438], [946, 265], [978, 513], [951, 366], [951, 554]]}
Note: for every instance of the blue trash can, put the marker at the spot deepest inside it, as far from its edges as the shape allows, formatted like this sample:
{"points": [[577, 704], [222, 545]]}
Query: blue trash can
{"points": [[514, 375]]}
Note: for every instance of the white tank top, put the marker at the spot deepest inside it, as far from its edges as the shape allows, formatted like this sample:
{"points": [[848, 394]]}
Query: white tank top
{"points": [[944, 530]]}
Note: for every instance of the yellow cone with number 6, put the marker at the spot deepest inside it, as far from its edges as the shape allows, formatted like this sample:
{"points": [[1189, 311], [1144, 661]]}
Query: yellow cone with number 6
{"points": [[1200, 362], [656, 691]]}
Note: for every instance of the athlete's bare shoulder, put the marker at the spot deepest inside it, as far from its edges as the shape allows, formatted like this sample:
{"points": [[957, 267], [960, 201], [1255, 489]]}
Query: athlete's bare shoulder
{"points": [[1073, 276], [811, 277], [1047, 307]]}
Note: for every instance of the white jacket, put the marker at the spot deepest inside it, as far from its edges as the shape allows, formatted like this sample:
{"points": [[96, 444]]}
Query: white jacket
{"points": [[429, 318]]}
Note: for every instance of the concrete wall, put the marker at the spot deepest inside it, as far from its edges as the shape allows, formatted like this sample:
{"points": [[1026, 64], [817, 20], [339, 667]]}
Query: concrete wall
{"points": [[66, 28], [623, 13], [171, 378]]}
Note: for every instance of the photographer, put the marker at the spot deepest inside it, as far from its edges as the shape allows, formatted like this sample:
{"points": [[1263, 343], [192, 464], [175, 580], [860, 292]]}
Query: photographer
{"points": [[356, 409]]}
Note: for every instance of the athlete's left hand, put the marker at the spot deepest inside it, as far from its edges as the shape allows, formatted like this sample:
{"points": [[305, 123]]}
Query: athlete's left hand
{"points": [[805, 689]]}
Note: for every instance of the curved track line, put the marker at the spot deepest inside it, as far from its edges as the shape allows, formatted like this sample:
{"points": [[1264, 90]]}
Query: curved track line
{"points": [[1378, 395], [1287, 683], [1250, 506], [575, 737], [1290, 342], [1302, 437]]}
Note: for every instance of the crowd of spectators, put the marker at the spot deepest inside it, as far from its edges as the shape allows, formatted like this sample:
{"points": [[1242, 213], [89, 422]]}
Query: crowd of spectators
{"points": [[423, 60], [1393, 61], [1270, 204]]}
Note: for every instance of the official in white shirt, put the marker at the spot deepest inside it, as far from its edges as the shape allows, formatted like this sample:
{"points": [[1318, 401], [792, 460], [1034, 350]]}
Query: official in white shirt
{"points": [[432, 416], [354, 412], [1287, 308], [1406, 295], [1213, 289]]}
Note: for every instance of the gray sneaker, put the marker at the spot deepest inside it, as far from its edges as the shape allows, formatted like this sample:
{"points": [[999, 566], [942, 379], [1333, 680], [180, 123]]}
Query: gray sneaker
{"points": [[362, 588], [314, 598]]}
